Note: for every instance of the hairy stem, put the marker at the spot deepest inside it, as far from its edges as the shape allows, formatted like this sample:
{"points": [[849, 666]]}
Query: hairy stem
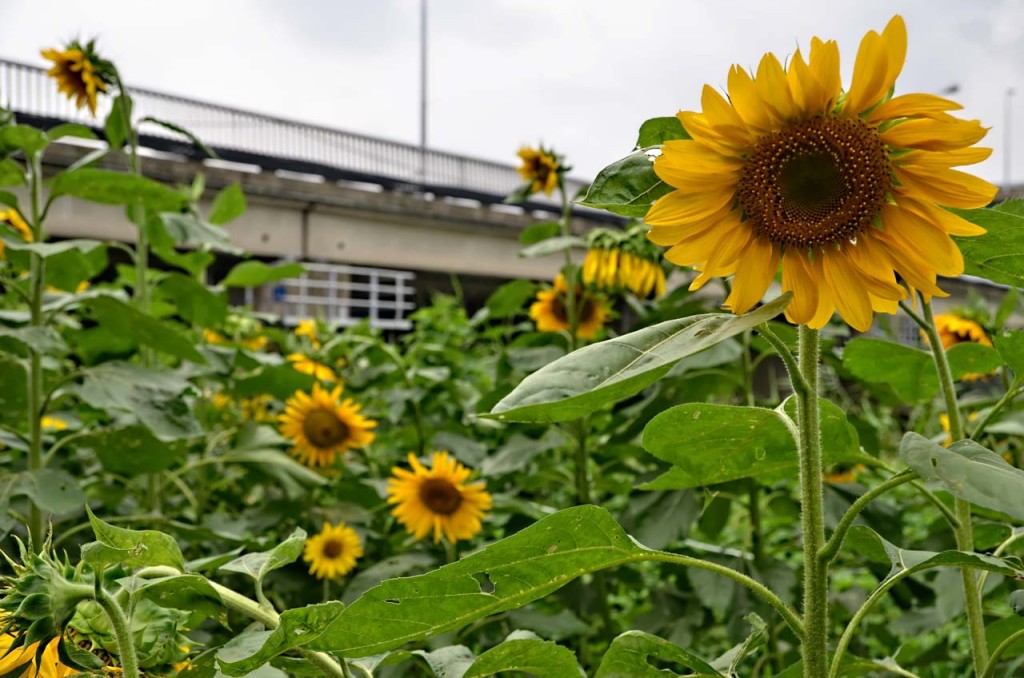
{"points": [[122, 631], [36, 394]]}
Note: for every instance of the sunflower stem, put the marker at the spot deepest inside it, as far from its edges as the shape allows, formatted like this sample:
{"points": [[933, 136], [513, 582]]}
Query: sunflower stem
{"points": [[964, 531], [36, 393], [815, 602], [121, 628]]}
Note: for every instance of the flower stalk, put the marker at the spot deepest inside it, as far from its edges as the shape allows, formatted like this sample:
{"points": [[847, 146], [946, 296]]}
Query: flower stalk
{"points": [[36, 393], [122, 631]]}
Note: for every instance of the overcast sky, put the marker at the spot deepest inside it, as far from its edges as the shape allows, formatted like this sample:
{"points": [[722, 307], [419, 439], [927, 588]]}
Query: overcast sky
{"points": [[580, 75]]}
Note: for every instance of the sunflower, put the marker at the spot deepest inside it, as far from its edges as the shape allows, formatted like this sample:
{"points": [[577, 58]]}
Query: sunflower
{"points": [[308, 328], [613, 269], [306, 365], [944, 423], [13, 219], [540, 168], [53, 424], [333, 552], [844, 473], [253, 343], [438, 500], [80, 74], [24, 658], [954, 330], [322, 426], [550, 314], [844, 189]]}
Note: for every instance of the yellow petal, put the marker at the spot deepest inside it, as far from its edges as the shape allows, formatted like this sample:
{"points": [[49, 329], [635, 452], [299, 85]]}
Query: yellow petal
{"points": [[758, 265], [678, 208], [943, 218], [847, 289], [722, 117], [700, 247], [912, 105], [929, 134], [957, 158], [945, 186], [774, 89], [797, 279], [824, 64], [934, 246], [878, 64], [744, 97]]}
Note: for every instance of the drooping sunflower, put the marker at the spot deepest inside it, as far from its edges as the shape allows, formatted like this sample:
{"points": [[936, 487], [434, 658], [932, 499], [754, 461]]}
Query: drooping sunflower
{"points": [[540, 168], [306, 365], [322, 426], [333, 552], [80, 73], [613, 269], [13, 219], [438, 499], [954, 329], [844, 188], [24, 658], [550, 313]]}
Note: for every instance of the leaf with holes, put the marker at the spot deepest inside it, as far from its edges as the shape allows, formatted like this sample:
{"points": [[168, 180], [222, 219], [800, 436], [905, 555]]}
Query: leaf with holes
{"points": [[628, 187], [507, 574], [132, 548], [600, 374], [630, 656]]}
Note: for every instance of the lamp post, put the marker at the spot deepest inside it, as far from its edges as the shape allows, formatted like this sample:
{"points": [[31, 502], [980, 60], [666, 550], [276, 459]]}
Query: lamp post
{"points": [[423, 91], [1007, 141]]}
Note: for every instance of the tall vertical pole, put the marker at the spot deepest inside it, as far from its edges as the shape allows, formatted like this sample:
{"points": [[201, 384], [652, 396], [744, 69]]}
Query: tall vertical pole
{"points": [[423, 91], [1007, 141]]}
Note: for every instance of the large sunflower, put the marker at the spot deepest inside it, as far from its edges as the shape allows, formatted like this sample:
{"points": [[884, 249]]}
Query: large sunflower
{"points": [[24, 658], [844, 188], [322, 426], [438, 500], [333, 552], [551, 315], [80, 74]]}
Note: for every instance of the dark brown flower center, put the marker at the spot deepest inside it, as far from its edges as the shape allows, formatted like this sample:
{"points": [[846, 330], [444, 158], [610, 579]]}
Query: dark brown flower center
{"points": [[821, 181], [586, 306], [324, 429], [440, 496], [332, 548]]}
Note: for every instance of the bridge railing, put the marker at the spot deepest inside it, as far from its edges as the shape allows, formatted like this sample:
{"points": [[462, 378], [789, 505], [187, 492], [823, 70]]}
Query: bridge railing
{"points": [[28, 90]]}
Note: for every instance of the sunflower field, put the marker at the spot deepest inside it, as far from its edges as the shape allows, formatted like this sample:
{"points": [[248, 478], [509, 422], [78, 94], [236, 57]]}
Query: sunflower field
{"points": [[709, 447]]}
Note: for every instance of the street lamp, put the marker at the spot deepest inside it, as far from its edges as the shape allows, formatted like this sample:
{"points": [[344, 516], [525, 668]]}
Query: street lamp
{"points": [[1007, 146]]}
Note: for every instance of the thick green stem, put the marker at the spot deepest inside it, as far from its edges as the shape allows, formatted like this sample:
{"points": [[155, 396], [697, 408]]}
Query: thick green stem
{"points": [[964, 531], [812, 515], [36, 394], [122, 632]]}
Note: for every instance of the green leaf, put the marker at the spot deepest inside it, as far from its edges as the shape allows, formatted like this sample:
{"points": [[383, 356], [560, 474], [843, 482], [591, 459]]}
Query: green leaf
{"points": [[533, 656], [628, 187], [129, 450], [13, 388], [35, 338], [509, 299], [121, 318], [909, 371], [1007, 307], [998, 255], [48, 250], [132, 548], [505, 575], [602, 373], [967, 471], [1011, 347], [117, 124], [298, 627], [657, 131], [70, 130], [178, 129], [534, 233], [187, 229], [69, 262], [116, 188], [228, 205], [11, 173], [864, 541], [26, 138], [630, 655], [970, 358], [257, 565], [194, 301], [189, 592], [52, 490], [253, 273], [559, 243]]}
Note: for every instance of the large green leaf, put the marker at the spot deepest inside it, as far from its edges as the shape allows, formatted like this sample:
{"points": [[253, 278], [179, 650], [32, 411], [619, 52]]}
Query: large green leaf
{"points": [[253, 273], [187, 229], [116, 188], [630, 656], [657, 131], [505, 575], [297, 627], [131, 548], [1011, 347], [509, 299], [195, 302], [129, 450], [120, 318], [599, 374], [999, 254], [11, 173], [13, 388], [52, 490], [969, 358], [910, 372], [189, 592], [628, 187], [968, 471], [69, 262], [258, 565], [529, 655], [228, 205], [27, 138]]}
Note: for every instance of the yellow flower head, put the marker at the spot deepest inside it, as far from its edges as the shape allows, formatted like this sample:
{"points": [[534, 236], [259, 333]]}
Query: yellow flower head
{"points": [[80, 74], [844, 188], [53, 424], [308, 328], [612, 269], [540, 168], [306, 365], [550, 313], [24, 658], [322, 426], [954, 329], [438, 500], [333, 552]]}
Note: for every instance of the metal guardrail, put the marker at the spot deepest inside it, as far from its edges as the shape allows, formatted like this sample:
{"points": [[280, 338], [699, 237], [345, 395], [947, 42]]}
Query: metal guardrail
{"points": [[28, 90]]}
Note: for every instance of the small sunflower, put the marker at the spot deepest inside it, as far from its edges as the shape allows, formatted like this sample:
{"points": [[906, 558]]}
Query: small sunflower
{"points": [[954, 329], [12, 219], [80, 74], [306, 365], [540, 168], [53, 424], [844, 473], [438, 500], [322, 426], [333, 552], [844, 189], [550, 314]]}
